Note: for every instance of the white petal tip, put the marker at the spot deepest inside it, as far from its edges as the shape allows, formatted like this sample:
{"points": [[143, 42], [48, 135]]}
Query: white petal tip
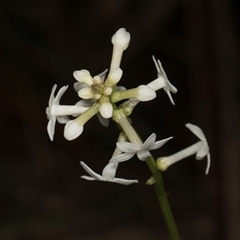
{"points": [[72, 130]]}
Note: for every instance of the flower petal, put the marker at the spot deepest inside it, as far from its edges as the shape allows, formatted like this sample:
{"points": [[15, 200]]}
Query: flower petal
{"points": [[51, 99], [149, 142], [208, 163], [91, 172], [145, 93], [83, 76], [127, 147], [114, 76], [121, 38], [51, 127], [72, 130], [86, 93], [124, 181], [109, 172], [122, 157], [59, 94], [197, 131], [78, 86], [88, 178], [106, 110], [159, 144]]}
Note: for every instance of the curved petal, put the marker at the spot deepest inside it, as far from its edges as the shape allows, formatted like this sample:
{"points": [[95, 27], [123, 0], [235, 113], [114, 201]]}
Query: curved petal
{"points": [[124, 181], [197, 131], [208, 163], [91, 172], [78, 86], [169, 95], [59, 94], [122, 157], [72, 130], [159, 144], [143, 155], [149, 142], [83, 76], [109, 172], [106, 110], [86, 93], [145, 93], [51, 99], [51, 127], [114, 76], [127, 147], [89, 178]]}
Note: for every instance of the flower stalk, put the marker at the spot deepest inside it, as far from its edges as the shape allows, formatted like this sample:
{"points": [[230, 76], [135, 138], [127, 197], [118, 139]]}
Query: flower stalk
{"points": [[158, 185]]}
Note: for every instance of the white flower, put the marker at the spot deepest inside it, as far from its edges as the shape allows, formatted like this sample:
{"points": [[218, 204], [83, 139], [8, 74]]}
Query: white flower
{"points": [[142, 152], [142, 93], [162, 81], [200, 148], [120, 41], [108, 174], [74, 128], [55, 111]]}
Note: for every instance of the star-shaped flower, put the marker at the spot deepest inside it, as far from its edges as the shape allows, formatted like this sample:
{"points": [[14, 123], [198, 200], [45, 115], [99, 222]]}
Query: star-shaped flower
{"points": [[54, 101], [58, 112], [162, 81], [142, 152], [108, 174]]}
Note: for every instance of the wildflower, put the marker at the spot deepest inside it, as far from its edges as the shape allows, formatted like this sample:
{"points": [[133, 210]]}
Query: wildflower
{"points": [[108, 174], [142, 152], [58, 112], [162, 81], [200, 148], [74, 128]]}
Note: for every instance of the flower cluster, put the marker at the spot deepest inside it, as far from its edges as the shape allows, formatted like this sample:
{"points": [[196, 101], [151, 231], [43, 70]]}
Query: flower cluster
{"points": [[100, 95]]}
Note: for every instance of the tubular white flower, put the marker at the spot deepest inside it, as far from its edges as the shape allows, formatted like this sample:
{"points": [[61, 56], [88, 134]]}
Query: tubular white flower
{"points": [[162, 81], [83, 76], [108, 174], [142, 93], [200, 148], [106, 110], [142, 152], [145, 93], [74, 128], [86, 93], [114, 77], [120, 41]]}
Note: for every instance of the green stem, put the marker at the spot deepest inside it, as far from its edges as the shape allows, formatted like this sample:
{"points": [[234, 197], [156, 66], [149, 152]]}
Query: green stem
{"points": [[159, 185]]}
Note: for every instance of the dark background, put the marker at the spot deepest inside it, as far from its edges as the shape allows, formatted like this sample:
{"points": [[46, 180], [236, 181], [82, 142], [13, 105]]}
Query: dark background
{"points": [[42, 43]]}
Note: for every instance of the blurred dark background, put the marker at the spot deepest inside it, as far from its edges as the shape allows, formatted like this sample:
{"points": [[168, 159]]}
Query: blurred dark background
{"points": [[42, 43]]}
